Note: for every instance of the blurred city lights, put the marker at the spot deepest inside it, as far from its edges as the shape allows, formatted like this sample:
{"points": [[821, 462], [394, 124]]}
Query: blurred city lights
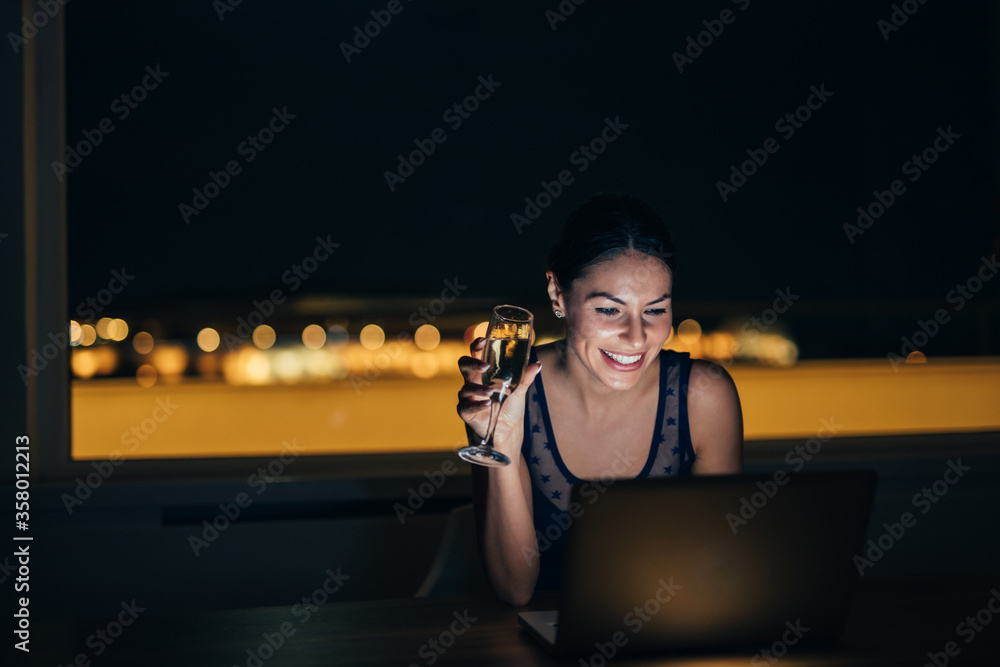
{"points": [[337, 335], [469, 335], [314, 336], [107, 359], [102, 328], [258, 368], [118, 330], [84, 363], [424, 365], [145, 375], [208, 339], [170, 359], [427, 337], [89, 335], [264, 337], [75, 333], [689, 332], [372, 337], [287, 367], [142, 342]]}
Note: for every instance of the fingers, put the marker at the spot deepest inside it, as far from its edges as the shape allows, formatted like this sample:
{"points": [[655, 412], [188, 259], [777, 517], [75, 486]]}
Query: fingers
{"points": [[471, 391], [472, 367], [530, 373], [473, 398]]}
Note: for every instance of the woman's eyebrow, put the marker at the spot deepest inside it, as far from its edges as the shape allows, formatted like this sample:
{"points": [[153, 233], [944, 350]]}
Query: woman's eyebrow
{"points": [[604, 295], [609, 297]]}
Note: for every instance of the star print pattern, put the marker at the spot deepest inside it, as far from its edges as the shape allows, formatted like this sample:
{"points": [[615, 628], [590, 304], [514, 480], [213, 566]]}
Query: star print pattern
{"points": [[669, 453]]}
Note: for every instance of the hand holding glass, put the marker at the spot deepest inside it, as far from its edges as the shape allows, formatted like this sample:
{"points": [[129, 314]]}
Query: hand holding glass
{"points": [[508, 346]]}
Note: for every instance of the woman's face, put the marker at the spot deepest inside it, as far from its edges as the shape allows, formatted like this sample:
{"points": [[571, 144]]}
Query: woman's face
{"points": [[619, 316]]}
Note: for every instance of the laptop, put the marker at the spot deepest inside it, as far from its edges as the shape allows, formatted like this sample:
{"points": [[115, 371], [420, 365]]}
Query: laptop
{"points": [[708, 563]]}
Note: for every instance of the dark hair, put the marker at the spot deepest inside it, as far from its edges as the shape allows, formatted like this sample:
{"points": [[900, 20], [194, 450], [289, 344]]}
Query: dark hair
{"points": [[604, 227]]}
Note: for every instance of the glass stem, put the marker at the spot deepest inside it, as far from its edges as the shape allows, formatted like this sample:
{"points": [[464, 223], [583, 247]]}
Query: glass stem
{"points": [[494, 414]]}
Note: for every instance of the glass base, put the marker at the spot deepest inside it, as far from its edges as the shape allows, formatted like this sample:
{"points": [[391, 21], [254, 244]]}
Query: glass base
{"points": [[484, 456]]}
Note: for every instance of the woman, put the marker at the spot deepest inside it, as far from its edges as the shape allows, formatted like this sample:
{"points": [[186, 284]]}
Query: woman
{"points": [[611, 403]]}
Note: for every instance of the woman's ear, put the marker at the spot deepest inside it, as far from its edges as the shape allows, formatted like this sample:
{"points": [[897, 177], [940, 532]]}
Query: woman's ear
{"points": [[556, 295]]}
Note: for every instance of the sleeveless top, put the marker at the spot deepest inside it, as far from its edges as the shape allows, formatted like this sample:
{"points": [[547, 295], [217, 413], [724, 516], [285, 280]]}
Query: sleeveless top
{"points": [[670, 453]]}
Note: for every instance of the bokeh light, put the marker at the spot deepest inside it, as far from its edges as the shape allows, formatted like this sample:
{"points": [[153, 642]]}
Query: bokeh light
{"points": [[142, 342], [145, 375], [75, 333], [427, 337], [287, 366], [372, 337], [89, 335], [314, 336], [84, 363], [208, 339], [264, 337], [916, 357], [102, 328], [337, 335], [469, 335], [257, 368], [424, 365], [107, 359], [118, 330], [480, 330], [170, 359], [689, 331]]}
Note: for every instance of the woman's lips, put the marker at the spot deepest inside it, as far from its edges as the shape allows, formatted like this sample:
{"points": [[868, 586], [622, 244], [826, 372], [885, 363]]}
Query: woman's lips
{"points": [[621, 365]]}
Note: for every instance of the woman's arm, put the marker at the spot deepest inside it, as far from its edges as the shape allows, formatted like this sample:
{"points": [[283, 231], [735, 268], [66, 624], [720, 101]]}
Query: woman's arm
{"points": [[506, 529], [715, 419], [501, 495]]}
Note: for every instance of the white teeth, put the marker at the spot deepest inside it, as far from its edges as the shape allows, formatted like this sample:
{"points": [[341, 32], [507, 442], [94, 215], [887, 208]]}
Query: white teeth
{"points": [[623, 360]]}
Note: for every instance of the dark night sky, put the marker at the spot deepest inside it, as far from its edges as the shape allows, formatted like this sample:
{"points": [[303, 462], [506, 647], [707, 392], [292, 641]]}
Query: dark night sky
{"points": [[324, 173]]}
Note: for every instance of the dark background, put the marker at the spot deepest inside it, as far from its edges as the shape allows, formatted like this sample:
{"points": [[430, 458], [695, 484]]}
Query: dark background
{"points": [[323, 175]]}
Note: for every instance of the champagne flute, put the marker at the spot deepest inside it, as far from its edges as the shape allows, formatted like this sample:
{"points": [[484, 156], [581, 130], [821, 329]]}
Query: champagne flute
{"points": [[508, 346]]}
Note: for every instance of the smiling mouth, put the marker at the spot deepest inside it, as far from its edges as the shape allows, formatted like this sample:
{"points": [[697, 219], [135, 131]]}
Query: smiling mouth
{"points": [[623, 359]]}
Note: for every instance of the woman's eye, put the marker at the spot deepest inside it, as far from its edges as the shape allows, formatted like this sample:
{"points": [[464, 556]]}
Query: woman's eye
{"points": [[608, 311], [656, 311]]}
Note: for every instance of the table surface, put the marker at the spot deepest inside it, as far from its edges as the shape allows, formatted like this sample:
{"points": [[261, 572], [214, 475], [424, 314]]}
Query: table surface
{"points": [[890, 624]]}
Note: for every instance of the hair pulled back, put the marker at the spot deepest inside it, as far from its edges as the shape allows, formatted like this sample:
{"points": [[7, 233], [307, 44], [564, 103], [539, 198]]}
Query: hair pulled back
{"points": [[604, 227]]}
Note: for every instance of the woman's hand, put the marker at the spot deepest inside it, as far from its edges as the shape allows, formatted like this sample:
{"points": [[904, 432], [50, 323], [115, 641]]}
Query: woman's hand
{"points": [[474, 402]]}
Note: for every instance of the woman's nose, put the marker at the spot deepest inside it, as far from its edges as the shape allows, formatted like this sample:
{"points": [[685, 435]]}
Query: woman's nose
{"points": [[634, 334]]}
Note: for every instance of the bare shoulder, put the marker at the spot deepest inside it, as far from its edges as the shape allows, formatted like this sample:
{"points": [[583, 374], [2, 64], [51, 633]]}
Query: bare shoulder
{"points": [[710, 381], [716, 419]]}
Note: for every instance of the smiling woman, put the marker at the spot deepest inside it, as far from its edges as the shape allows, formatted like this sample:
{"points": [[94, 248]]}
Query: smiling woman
{"points": [[611, 404]]}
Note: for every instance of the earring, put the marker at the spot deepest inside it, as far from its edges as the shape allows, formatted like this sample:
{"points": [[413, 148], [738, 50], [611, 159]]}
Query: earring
{"points": [[558, 313]]}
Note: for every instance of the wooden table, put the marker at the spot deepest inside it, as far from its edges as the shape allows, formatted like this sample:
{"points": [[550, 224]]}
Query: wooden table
{"points": [[890, 624]]}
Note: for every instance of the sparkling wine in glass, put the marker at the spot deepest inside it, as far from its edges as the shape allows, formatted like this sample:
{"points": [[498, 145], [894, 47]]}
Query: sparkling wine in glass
{"points": [[508, 346]]}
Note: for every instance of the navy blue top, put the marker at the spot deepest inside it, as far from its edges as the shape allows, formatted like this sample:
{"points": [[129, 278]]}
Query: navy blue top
{"points": [[670, 453]]}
